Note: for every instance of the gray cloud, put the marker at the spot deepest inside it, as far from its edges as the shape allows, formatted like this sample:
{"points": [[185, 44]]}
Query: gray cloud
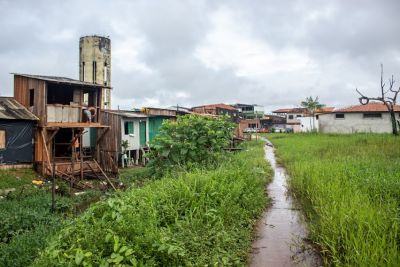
{"points": [[274, 53]]}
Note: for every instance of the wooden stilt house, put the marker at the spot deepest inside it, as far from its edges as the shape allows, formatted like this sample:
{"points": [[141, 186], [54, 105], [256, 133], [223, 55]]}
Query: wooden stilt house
{"points": [[69, 113]]}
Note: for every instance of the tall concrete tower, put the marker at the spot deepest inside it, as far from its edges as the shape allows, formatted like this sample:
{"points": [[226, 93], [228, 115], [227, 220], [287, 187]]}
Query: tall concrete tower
{"points": [[95, 64]]}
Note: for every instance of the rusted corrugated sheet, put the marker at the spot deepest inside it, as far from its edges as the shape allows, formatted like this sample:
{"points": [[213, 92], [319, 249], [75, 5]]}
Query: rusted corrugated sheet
{"points": [[11, 109]]}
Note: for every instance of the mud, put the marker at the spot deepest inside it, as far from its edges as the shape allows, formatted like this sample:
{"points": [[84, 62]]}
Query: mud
{"points": [[280, 232]]}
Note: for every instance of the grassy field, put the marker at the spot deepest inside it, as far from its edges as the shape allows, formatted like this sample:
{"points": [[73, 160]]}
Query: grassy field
{"points": [[197, 218], [350, 188], [26, 220]]}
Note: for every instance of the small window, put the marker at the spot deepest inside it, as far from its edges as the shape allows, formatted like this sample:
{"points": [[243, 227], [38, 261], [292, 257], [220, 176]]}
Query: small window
{"points": [[290, 117], [298, 116], [339, 116], [94, 71], [317, 117], [2, 139], [86, 99], [128, 127], [105, 78], [83, 71], [372, 115], [31, 97]]}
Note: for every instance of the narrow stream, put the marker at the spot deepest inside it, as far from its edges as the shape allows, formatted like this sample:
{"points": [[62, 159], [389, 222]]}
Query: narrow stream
{"points": [[280, 232]]}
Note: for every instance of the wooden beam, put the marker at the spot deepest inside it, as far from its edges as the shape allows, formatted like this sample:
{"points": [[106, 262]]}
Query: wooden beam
{"points": [[52, 135], [75, 125], [47, 152], [102, 135], [105, 175]]}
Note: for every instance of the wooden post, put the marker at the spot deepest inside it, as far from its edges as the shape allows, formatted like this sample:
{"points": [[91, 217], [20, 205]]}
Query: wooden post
{"points": [[73, 156], [81, 155]]}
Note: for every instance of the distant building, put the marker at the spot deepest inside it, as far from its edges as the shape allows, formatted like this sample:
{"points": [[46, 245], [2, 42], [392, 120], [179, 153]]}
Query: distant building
{"points": [[371, 118], [297, 119], [219, 110], [273, 121], [250, 111], [17, 133]]}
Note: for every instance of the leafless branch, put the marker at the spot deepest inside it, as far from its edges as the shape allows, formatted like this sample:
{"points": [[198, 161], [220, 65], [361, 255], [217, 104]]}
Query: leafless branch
{"points": [[388, 101]]}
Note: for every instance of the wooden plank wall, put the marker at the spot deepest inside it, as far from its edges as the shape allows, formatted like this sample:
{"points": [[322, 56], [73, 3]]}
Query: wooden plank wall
{"points": [[111, 142], [22, 85]]}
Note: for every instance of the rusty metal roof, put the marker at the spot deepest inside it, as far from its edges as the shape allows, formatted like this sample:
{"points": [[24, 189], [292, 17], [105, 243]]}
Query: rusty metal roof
{"points": [[214, 106], [62, 80], [11, 109]]}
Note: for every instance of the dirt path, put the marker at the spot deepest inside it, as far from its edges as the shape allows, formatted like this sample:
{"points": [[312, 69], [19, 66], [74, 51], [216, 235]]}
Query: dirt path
{"points": [[280, 231]]}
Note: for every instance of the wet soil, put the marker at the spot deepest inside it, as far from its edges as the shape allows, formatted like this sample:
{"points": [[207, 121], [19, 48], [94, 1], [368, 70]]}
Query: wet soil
{"points": [[281, 233]]}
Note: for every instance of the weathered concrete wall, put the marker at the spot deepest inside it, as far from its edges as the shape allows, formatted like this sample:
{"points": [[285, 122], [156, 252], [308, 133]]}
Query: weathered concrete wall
{"points": [[95, 64], [354, 123]]}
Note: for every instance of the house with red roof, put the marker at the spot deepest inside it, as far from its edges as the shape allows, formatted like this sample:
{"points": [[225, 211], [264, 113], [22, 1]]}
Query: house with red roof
{"points": [[371, 118]]}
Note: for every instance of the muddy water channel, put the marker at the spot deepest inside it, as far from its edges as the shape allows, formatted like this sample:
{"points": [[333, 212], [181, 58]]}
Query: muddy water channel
{"points": [[280, 232]]}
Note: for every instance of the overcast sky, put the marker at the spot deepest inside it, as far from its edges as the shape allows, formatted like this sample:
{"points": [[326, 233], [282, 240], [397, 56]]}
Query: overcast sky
{"points": [[273, 53]]}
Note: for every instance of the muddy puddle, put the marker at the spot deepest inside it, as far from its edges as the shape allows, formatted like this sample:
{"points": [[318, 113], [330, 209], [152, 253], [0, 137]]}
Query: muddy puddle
{"points": [[280, 232]]}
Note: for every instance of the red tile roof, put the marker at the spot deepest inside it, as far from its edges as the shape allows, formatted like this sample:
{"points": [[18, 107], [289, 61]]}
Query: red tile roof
{"points": [[370, 107], [303, 110]]}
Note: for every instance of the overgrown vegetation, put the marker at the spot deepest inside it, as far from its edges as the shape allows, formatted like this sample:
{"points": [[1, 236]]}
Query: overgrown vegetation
{"points": [[198, 218], [189, 142], [26, 221], [350, 187], [135, 177]]}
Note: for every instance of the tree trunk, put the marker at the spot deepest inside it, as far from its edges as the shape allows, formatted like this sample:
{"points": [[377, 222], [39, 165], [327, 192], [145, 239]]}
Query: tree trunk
{"points": [[394, 123]]}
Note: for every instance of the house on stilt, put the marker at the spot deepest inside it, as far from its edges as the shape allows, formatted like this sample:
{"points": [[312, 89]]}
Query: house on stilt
{"points": [[69, 129]]}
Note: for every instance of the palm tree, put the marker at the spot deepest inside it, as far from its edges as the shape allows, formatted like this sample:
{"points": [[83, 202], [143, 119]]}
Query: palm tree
{"points": [[312, 105]]}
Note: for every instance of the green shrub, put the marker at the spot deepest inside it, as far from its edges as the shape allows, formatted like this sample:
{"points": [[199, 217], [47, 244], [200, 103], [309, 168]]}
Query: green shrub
{"points": [[190, 141], [199, 218]]}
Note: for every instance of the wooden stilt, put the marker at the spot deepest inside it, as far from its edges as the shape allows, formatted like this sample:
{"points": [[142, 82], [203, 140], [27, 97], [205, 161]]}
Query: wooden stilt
{"points": [[105, 175]]}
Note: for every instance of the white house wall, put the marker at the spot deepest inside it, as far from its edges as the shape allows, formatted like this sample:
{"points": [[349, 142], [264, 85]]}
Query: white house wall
{"points": [[354, 123], [306, 124], [133, 139], [295, 118]]}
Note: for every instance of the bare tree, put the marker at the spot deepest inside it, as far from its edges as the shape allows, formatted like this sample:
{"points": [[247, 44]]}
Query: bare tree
{"points": [[388, 97]]}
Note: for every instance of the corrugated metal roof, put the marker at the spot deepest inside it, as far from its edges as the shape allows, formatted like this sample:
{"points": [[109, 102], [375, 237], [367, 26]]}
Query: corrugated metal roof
{"points": [[214, 106], [11, 109], [127, 113], [63, 80]]}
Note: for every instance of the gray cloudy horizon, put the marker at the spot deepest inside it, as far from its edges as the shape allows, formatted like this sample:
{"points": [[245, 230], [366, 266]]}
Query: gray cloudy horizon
{"points": [[272, 53]]}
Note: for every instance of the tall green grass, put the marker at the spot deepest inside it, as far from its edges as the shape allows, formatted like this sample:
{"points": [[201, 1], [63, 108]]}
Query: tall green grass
{"points": [[200, 218], [350, 188]]}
